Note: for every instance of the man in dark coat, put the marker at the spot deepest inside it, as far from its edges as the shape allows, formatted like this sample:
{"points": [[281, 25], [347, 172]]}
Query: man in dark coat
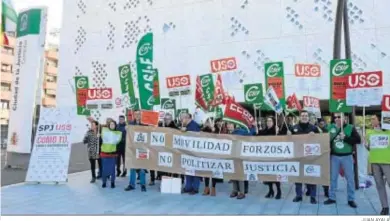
{"points": [[304, 127]]}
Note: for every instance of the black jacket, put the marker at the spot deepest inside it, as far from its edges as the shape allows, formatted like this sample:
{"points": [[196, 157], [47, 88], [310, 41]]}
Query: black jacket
{"points": [[304, 128], [268, 132]]}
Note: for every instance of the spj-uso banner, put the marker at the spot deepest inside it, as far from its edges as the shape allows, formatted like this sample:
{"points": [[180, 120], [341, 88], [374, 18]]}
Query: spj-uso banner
{"points": [[29, 49], [301, 158]]}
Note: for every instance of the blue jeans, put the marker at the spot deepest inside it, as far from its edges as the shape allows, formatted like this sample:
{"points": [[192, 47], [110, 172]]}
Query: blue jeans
{"points": [[108, 168], [312, 188], [133, 177], [192, 183], [346, 162]]}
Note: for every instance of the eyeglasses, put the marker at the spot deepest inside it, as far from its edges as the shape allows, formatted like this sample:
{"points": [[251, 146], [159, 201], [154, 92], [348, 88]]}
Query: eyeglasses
{"points": [[337, 117]]}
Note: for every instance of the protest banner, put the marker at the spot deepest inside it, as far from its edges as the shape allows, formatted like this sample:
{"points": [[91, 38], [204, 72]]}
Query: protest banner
{"points": [[253, 94], [300, 158], [219, 92], [207, 84], [339, 71], [156, 88], [178, 85], [99, 98], [293, 103], [49, 160], [127, 85], [200, 100], [386, 112], [150, 117], [274, 76], [364, 89], [236, 114], [145, 71], [224, 64], [312, 105], [272, 100], [308, 78]]}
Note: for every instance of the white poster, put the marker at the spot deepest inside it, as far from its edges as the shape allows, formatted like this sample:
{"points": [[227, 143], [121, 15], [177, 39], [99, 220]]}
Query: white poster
{"points": [[272, 100], [49, 160], [386, 120], [29, 50]]}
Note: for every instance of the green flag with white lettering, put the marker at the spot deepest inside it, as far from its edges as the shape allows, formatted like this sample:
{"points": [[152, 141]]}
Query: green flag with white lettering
{"points": [[145, 71]]}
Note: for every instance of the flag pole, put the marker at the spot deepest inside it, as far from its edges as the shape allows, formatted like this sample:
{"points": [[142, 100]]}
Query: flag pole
{"points": [[276, 122], [364, 121]]}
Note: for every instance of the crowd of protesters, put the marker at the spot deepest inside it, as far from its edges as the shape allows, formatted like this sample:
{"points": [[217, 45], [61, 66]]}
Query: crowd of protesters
{"points": [[343, 140]]}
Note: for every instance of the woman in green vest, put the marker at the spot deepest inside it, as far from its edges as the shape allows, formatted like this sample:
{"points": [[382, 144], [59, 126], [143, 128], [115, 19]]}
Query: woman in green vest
{"points": [[342, 141], [110, 139], [378, 143]]}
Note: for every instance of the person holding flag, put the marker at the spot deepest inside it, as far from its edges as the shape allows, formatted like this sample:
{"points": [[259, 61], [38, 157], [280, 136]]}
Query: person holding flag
{"points": [[343, 137], [378, 143]]}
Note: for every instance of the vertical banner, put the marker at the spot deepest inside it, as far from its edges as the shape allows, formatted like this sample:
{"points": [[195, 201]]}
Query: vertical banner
{"points": [[145, 71], [29, 49], [274, 76], [207, 84], [82, 85], [127, 85], [50, 156], [156, 88], [339, 71], [199, 95], [386, 112]]}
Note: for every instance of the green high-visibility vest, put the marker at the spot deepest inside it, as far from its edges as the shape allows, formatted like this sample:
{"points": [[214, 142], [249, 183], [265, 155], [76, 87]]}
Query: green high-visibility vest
{"points": [[110, 139], [379, 143], [339, 146]]}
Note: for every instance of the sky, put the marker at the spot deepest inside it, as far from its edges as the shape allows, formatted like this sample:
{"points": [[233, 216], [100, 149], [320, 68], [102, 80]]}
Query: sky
{"points": [[54, 10]]}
